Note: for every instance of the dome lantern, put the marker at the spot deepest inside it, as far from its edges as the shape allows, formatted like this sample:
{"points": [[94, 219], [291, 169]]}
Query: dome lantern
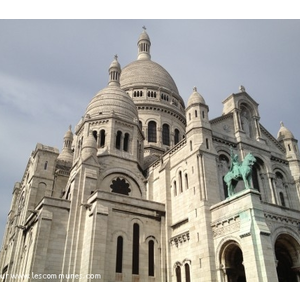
{"points": [[144, 46]]}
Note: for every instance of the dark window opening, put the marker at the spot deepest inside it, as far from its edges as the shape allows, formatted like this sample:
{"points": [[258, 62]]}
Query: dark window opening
{"points": [[120, 186], [166, 135], [282, 199], [126, 142], [187, 272], [118, 140], [119, 258], [175, 188], [151, 258], [135, 249], [102, 138], [180, 182], [176, 136], [95, 135], [178, 274], [186, 181], [152, 131]]}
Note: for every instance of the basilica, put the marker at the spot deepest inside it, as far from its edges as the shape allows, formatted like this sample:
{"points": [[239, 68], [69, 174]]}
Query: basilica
{"points": [[140, 190]]}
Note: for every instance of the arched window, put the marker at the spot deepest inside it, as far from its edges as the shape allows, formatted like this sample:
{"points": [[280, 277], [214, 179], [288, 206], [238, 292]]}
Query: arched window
{"points": [[175, 188], [102, 138], [152, 131], [186, 181], [119, 257], [281, 189], [118, 140], [282, 202], [187, 272], [207, 143], [176, 136], [126, 142], [135, 249], [246, 120], [178, 273], [95, 135], [166, 135], [180, 182], [151, 258]]}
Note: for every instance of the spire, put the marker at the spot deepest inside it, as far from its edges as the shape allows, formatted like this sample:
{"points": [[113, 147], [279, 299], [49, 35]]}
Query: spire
{"points": [[144, 46], [114, 72]]}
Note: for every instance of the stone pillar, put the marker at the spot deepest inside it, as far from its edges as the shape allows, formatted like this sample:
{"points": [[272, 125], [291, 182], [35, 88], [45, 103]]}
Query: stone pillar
{"points": [[256, 244]]}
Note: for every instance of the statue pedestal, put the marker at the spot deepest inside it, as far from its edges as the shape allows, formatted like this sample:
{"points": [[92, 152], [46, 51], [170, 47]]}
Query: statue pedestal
{"points": [[244, 211]]}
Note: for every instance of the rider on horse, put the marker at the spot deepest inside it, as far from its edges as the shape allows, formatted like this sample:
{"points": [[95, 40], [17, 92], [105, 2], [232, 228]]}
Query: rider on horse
{"points": [[234, 167]]}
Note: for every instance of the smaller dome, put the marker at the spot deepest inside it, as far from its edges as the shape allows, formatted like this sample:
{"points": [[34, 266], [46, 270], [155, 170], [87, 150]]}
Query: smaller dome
{"points": [[195, 98], [284, 133], [89, 142], [144, 36], [115, 64], [113, 99], [69, 135], [89, 147]]}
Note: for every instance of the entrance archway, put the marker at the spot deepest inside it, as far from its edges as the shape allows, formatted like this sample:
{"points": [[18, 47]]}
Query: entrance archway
{"points": [[287, 255], [232, 262]]}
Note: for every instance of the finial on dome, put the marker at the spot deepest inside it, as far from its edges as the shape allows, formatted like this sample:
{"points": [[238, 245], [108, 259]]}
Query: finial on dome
{"points": [[281, 124], [70, 127], [144, 27], [195, 89]]}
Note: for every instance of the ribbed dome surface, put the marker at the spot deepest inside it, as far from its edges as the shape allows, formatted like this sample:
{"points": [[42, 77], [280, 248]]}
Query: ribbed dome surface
{"points": [[143, 73], [112, 99]]}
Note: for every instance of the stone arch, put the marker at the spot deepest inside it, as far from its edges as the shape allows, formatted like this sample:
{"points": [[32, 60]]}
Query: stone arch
{"points": [[136, 187], [287, 254], [247, 112], [231, 262], [282, 187], [259, 171]]}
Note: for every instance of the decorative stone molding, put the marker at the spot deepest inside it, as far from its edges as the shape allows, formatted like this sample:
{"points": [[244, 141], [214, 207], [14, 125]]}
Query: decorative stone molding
{"points": [[225, 227], [282, 219], [180, 238]]}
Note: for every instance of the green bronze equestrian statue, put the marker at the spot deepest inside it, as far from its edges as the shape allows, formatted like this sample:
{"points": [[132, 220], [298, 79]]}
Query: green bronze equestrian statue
{"points": [[239, 171]]}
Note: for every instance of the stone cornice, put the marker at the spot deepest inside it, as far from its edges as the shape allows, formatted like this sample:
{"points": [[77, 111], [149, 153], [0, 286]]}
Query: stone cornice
{"points": [[180, 238]]}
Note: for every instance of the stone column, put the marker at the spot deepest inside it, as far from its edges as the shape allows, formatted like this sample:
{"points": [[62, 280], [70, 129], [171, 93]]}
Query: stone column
{"points": [[257, 248]]}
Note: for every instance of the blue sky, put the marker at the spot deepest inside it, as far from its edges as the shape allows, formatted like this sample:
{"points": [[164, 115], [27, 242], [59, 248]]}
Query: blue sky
{"points": [[51, 69]]}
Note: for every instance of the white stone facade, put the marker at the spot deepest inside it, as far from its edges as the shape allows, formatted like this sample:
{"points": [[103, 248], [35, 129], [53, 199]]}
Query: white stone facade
{"points": [[138, 194]]}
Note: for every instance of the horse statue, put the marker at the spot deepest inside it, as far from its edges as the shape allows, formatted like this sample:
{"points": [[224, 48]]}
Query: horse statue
{"points": [[239, 171]]}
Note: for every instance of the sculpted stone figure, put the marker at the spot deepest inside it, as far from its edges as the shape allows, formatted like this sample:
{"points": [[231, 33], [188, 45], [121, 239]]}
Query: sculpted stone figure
{"points": [[239, 171]]}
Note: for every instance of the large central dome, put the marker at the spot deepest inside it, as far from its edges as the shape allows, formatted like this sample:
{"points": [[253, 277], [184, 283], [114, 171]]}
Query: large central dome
{"points": [[146, 73], [161, 109]]}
